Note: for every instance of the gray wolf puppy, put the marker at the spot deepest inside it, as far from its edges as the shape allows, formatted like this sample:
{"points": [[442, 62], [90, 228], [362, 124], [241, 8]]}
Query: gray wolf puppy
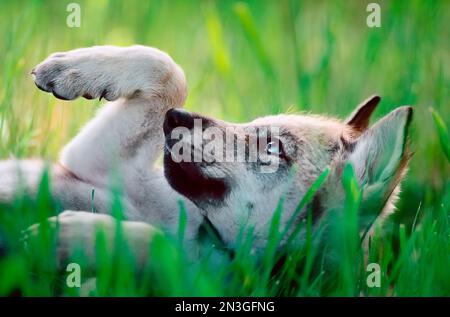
{"points": [[145, 90]]}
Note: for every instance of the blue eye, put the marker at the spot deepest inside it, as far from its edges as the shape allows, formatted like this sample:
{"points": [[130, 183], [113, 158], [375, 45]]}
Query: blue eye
{"points": [[274, 148]]}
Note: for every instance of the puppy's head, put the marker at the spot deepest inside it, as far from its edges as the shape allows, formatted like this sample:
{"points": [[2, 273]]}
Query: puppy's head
{"points": [[237, 173]]}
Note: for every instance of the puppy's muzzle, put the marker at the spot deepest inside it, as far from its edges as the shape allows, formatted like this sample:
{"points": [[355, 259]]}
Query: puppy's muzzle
{"points": [[177, 118]]}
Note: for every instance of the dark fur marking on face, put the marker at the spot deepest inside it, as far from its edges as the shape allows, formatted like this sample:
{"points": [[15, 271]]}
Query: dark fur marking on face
{"points": [[291, 145], [334, 148], [187, 179]]}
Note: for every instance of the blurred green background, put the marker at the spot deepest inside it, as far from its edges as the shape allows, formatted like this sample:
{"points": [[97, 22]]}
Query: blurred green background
{"points": [[245, 59]]}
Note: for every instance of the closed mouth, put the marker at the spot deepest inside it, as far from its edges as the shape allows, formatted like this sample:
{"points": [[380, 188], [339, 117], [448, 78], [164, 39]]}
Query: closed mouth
{"points": [[188, 179]]}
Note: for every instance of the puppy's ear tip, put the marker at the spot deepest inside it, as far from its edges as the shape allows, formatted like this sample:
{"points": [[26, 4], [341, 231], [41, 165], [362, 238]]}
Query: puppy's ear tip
{"points": [[410, 109], [406, 108], [359, 119], [372, 101], [373, 98], [407, 111]]}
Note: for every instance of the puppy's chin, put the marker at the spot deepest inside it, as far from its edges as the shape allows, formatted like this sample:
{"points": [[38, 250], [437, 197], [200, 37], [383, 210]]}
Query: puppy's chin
{"points": [[187, 179]]}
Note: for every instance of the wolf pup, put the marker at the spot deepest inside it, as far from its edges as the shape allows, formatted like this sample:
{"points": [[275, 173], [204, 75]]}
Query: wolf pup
{"points": [[146, 89]]}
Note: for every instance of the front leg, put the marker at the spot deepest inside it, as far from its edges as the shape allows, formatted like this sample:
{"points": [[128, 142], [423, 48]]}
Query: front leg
{"points": [[112, 72], [126, 136], [79, 231]]}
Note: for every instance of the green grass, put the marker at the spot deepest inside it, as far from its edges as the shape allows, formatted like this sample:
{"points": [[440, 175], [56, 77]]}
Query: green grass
{"points": [[243, 60]]}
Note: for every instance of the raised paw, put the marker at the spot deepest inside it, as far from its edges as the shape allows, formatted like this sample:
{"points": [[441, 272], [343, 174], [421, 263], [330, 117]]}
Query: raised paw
{"points": [[111, 72], [73, 74]]}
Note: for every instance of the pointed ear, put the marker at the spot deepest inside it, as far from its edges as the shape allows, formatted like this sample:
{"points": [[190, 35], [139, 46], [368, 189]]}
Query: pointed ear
{"points": [[359, 119], [381, 153]]}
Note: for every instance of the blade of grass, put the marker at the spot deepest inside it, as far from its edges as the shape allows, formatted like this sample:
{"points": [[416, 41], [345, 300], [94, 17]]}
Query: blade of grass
{"points": [[442, 133]]}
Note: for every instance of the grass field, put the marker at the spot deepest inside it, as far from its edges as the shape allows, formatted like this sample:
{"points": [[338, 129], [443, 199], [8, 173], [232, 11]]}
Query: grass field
{"points": [[243, 60]]}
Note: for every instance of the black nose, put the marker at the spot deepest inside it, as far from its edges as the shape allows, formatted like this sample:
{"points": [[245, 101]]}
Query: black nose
{"points": [[177, 118]]}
